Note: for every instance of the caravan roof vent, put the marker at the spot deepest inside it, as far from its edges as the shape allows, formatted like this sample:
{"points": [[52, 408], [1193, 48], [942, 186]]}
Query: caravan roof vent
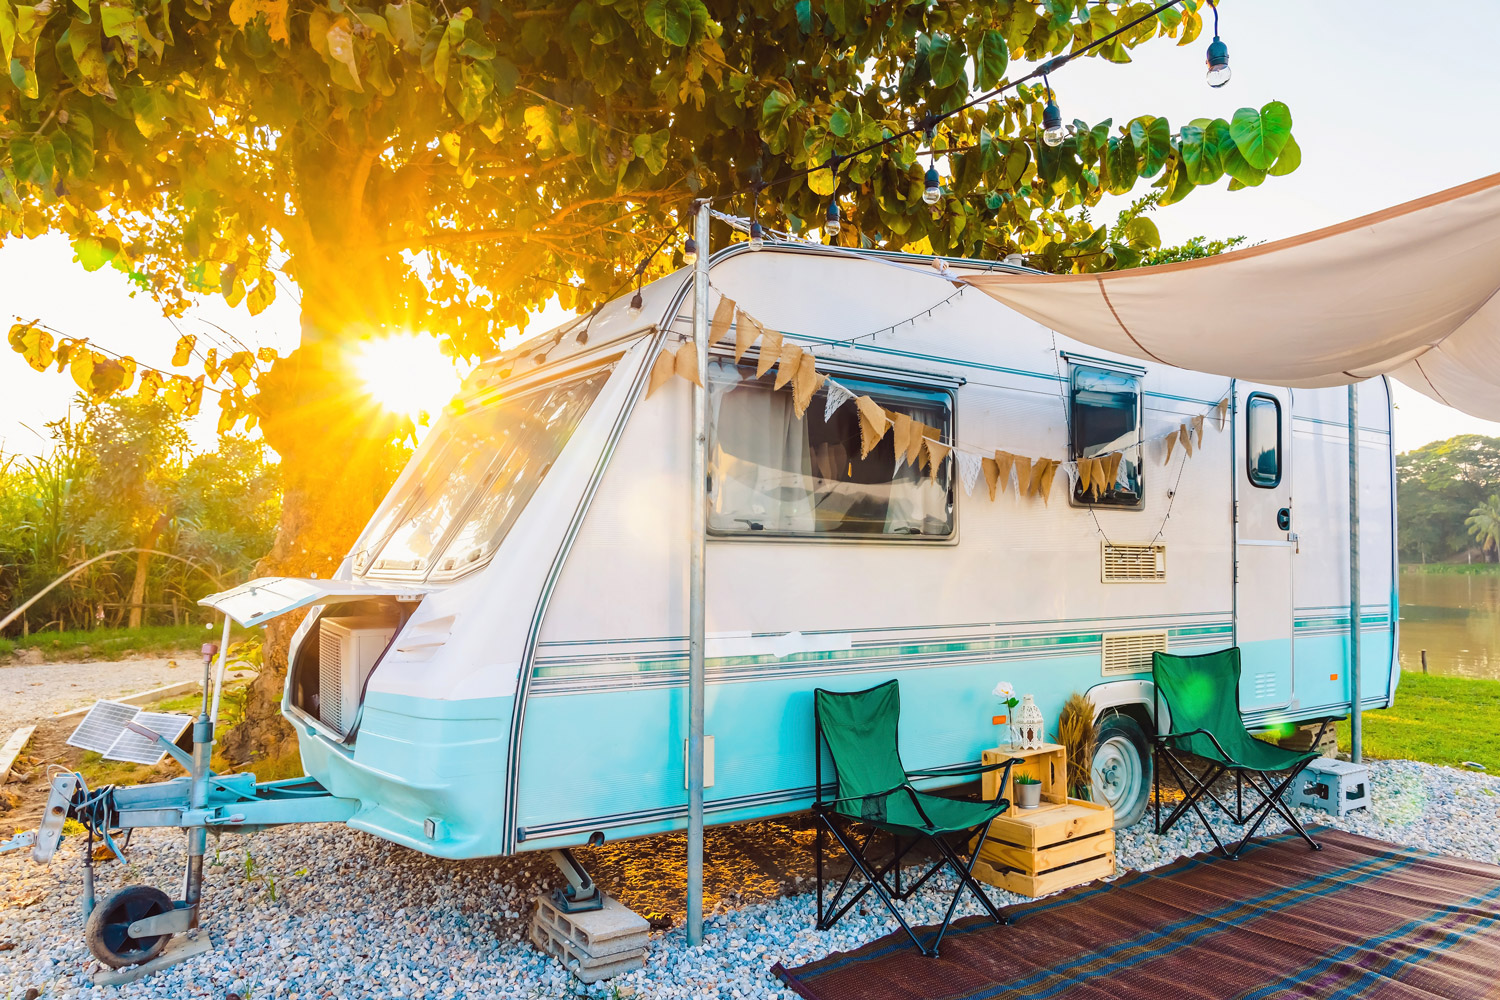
{"points": [[1133, 563], [1130, 652]]}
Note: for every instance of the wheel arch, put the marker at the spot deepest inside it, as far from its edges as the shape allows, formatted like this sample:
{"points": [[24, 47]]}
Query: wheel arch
{"points": [[1127, 697]]}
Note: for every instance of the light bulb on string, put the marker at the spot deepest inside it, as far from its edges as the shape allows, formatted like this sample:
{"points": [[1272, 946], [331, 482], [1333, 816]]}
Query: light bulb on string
{"points": [[757, 234], [1054, 133], [1218, 56], [690, 252], [832, 225], [933, 192]]}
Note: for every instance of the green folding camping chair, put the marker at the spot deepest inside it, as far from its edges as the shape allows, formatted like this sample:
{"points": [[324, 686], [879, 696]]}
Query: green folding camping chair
{"points": [[1202, 696], [874, 789]]}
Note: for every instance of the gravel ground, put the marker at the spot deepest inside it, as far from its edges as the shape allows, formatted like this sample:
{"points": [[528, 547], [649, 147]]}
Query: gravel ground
{"points": [[33, 691], [319, 912]]}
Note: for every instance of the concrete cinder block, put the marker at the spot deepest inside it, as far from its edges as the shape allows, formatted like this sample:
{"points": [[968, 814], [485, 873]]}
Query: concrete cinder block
{"points": [[593, 945]]}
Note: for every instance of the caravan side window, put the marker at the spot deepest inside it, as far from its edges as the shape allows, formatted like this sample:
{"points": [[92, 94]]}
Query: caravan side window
{"points": [[1105, 417], [773, 474], [1263, 440]]}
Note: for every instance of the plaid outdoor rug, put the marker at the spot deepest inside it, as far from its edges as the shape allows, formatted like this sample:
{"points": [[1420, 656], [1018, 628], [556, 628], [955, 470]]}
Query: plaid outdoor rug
{"points": [[1360, 918]]}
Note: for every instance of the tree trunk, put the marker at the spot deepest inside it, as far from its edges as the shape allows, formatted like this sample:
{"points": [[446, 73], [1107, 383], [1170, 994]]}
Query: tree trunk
{"points": [[142, 563], [337, 461]]}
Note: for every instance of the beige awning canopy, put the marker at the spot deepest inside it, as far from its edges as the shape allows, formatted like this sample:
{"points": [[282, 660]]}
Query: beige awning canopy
{"points": [[1409, 292]]}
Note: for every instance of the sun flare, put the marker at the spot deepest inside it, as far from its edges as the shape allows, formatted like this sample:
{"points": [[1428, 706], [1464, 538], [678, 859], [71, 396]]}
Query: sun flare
{"points": [[407, 373]]}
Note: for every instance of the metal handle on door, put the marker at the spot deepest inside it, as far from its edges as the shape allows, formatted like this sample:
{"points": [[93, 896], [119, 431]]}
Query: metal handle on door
{"points": [[1284, 519]]}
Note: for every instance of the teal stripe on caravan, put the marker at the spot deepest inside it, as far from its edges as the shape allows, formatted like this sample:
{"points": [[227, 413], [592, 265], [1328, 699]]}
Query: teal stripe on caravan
{"points": [[612, 670]]}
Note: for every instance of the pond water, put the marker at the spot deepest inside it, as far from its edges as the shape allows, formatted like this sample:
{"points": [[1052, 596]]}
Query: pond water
{"points": [[1456, 618]]}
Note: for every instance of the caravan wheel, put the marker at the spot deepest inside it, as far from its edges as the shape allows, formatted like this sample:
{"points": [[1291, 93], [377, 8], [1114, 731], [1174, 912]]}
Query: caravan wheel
{"points": [[1121, 768], [108, 928]]}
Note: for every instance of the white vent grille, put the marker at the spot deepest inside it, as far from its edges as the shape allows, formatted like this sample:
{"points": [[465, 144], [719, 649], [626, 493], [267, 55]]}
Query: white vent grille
{"points": [[1130, 652], [330, 680], [1133, 563]]}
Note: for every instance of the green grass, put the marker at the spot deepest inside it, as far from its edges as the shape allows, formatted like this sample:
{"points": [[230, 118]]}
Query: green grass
{"points": [[1452, 569], [117, 643], [1440, 720]]}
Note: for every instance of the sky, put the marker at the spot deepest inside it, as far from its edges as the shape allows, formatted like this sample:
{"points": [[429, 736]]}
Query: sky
{"points": [[1390, 101]]}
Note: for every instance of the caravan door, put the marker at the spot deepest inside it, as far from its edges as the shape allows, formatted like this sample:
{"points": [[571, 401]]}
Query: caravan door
{"points": [[1265, 545]]}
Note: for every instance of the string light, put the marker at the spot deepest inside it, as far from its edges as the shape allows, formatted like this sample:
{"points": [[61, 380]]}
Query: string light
{"points": [[690, 252], [1054, 133], [832, 224], [1218, 55], [933, 192], [757, 234]]}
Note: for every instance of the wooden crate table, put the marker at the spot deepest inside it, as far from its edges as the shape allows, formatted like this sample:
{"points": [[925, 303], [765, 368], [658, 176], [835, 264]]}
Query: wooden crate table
{"points": [[1061, 843]]}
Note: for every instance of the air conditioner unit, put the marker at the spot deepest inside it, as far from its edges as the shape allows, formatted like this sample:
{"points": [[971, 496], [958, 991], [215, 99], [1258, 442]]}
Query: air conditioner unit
{"points": [[348, 649]]}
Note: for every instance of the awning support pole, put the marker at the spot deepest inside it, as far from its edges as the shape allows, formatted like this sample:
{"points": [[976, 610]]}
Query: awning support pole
{"points": [[699, 528], [1356, 728]]}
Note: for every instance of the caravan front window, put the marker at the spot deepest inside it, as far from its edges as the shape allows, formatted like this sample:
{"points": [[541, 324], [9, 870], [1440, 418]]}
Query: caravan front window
{"points": [[772, 473], [481, 472], [1105, 417]]}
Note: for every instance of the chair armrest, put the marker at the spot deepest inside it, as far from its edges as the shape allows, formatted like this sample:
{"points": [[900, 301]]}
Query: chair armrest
{"points": [[1198, 732], [971, 769]]}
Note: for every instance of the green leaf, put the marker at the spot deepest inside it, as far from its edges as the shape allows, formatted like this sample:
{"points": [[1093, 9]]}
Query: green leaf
{"points": [[1200, 152], [93, 253], [804, 16], [1121, 164], [7, 30], [1289, 160], [1239, 168], [990, 59], [670, 20], [840, 123], [1261, 135], [651, 148], [1153, 142], [945, 57]]}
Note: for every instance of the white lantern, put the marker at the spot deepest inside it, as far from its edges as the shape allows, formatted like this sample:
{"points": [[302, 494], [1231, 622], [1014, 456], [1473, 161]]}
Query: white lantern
{"points": [[1027, 729]]}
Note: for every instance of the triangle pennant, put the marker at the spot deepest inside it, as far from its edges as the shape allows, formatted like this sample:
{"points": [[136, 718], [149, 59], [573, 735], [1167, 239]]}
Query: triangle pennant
{"points": [[1047, 477], [1185, 438], [837, 397], [936, 452], [787, 364], [1198, 428], [723, 317], [746, 329], [1023, 475], [805, 383], [968, 469], [1223, 411], [991, 475], [1038, 470], [661, 370], [1112, 470], [1171, 441], [687, 363], [770, 351], [872, 424], [1005, 464], [903, 430]]}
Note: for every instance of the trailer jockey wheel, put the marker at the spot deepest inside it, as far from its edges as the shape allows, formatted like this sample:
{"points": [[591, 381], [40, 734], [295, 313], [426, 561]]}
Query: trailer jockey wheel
{"points": [[108, 929]]}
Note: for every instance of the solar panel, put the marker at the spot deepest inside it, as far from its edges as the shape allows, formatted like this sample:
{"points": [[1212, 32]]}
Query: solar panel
{"points": [[137, 749], [102, 726]]}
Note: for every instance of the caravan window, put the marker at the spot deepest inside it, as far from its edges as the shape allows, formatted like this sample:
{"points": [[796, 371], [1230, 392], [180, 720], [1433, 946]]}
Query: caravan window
{"points": [[773, 474], [1105, 417], [485, 467], [1263, 440]]}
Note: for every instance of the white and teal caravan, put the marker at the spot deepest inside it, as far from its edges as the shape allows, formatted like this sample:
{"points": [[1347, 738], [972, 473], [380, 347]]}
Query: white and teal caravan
{"points": [[531, 563], [500, 662]]}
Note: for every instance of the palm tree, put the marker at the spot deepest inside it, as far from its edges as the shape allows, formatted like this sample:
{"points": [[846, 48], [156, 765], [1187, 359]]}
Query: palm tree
{"points": [[1484, 524]]}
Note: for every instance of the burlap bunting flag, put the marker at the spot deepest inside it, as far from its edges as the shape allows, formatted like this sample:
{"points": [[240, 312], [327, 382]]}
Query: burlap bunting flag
{"points": [[914, 439], [663, 368], [805, 383], [687, 362], [872, 424], [936, 452], [1023, 475], [1171, 442], [723, 317], [1085, 476], [1223, 411], [991, 475], [770, 351], [903, 430], [1038, 469], [787, 364], [1198, 428], [746, 329], [1048, 475], [1005, 464], [1185, 438], [1112, 470]]}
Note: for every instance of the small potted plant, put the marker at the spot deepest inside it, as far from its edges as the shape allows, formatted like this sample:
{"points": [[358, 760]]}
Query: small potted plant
{"points": [[1028, 791]]}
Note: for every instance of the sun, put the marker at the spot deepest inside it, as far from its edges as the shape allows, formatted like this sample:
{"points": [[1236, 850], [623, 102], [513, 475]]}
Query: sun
{"points": [[407, 373]]}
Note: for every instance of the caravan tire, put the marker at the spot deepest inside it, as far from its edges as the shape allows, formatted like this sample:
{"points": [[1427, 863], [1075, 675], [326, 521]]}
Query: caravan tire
{"points": [[1121, 768]]}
